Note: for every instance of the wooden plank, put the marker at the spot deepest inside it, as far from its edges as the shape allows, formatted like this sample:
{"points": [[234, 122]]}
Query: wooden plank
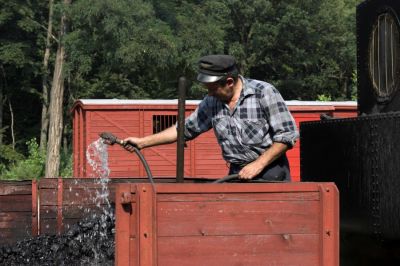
{"points": [[117, 115], [147, 232], [48, 183], [48, 226], [15, 188], [292, 187], [21, 203], [142, 126], [237, 197], [16, 224], [81, 196], [75, 141], [237, 218], [125, 240], [287, 249], [329, 225], [48, 211], [59, 205], [82, 142], [48, 196], [35, 208], [84, 183], [15, 216], [80, 211]]}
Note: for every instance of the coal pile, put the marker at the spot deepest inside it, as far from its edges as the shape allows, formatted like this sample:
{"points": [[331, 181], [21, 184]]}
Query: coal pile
{"points": [[89, 242]]}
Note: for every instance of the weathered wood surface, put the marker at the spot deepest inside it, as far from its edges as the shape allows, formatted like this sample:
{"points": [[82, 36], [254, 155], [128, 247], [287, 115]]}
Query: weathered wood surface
{"points": [[49, 206], [227, 224], [15, 211]]}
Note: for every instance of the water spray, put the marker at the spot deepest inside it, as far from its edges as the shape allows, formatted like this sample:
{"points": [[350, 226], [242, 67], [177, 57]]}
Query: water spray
{"points": [[110, 139]]}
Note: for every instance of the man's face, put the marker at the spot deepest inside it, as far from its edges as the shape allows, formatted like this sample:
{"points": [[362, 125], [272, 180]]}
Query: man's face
{"points": [[222, 92]]}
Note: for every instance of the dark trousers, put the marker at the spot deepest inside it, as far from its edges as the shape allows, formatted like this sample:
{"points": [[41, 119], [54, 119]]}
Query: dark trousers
{"points": [[278, 170]]}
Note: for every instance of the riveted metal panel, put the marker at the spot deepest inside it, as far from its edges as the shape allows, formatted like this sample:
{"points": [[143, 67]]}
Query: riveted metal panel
{"points": [[361, 155]]}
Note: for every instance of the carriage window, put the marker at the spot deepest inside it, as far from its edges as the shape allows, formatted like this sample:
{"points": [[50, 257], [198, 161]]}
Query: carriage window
{"points": [[384, 52], [161, 122]]}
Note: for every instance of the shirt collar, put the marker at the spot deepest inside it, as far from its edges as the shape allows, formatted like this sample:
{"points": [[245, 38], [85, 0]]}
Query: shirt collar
{"points": [[246, 89]]}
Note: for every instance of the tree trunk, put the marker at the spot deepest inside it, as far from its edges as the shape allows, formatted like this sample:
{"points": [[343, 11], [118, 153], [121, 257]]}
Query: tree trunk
{"points": [[3, 86], [56, 107], [12, 124], [45, 89], [1, 108], [65, 141]]}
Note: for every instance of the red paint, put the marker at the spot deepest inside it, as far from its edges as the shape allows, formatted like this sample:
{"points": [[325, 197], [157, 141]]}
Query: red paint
{"points": [[59, 205], [16, 216], [35, 210], [202, 156], [227, 224]]}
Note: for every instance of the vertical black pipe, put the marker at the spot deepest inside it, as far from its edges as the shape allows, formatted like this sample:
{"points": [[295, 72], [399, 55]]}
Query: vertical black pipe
{"points": [[180, 157]]}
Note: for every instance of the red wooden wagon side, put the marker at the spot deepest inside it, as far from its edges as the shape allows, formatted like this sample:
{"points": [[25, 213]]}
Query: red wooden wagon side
{"points": [[227, 224], [142, 117]]}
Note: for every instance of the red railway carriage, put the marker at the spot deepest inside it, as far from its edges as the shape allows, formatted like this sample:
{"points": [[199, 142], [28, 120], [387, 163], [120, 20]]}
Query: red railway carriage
{"points": [[143, 117]]}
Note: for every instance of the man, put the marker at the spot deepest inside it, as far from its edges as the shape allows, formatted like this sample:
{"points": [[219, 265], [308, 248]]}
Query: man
{"points": [[250, 120]]}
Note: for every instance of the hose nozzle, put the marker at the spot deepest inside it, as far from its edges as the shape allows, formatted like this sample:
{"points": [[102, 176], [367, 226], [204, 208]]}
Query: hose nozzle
{"points": [[110, 139]]}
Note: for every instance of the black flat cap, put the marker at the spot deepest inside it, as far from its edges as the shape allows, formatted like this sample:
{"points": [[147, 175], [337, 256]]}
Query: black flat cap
{"points": [[214, 67]]}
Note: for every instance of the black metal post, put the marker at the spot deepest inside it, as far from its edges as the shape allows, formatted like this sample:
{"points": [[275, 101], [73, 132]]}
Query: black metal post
{"points": [[180, 156]]}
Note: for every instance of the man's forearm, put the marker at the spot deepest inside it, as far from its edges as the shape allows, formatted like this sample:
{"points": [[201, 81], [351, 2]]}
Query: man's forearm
{"points": [[272, 153], [254, 168], [167, 136]]}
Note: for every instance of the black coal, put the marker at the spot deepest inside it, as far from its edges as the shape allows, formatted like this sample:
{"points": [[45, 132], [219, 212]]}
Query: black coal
{"points": [[89, 242]]}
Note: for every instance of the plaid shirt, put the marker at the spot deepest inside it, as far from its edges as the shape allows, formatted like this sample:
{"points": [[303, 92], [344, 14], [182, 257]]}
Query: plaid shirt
{"points": [[259, 118]]}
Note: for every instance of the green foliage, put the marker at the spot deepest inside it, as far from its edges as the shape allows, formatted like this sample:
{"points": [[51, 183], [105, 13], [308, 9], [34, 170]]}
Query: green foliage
{"points": [[354, 88], [21, 42], [133, 49], [118, 49], [30, 168], [324, 98], [66, 164], [8, 155]]}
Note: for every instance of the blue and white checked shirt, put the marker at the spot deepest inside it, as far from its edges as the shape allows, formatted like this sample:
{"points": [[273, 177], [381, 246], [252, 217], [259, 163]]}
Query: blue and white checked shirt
{"points": [[259, 118]]}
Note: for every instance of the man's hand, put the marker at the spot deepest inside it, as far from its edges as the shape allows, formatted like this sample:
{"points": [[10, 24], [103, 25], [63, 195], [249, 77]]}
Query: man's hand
{"points": [[250, 171], [271, 154], [132, 142]]}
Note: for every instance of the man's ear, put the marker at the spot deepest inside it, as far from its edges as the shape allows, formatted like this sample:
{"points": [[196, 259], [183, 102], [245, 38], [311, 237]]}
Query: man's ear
{"points": [[230, 81]]}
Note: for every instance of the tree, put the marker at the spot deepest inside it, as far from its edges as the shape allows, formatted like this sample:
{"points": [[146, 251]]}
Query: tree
{"points": [[56, 104], [45, 74], [139, 48], [305, 48], [19, 41], [118, 49]]}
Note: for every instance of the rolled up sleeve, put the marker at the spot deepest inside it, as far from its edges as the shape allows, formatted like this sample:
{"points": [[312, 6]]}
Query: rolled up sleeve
{"points": [[282, 125], [198, 122]]}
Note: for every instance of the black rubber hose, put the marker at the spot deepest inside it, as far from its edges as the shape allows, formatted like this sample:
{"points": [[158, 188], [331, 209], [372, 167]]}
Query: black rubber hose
{"points": [[236, 176], [227, 178], [110, 139], [145, 164]]}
